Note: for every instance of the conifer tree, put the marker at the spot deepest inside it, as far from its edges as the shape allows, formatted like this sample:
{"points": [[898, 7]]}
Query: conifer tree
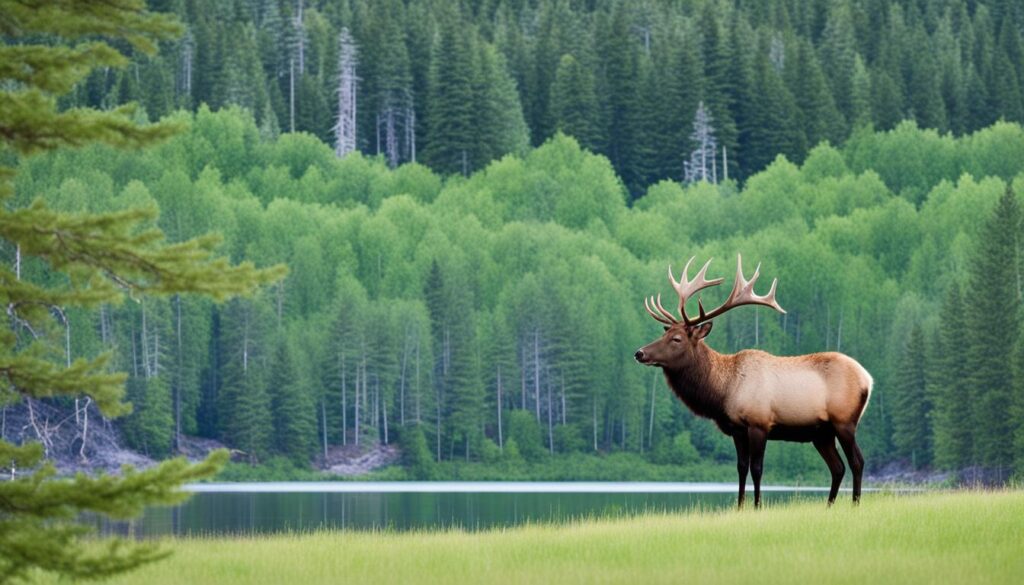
{"points": [[102, 255], [911, 431], [951, 391], [293, 411], [574, 103], [993, 315], [451, 115]]}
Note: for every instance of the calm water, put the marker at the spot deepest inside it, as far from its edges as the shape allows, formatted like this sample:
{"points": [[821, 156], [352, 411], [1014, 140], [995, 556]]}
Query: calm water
{"points": [[278, 507]]}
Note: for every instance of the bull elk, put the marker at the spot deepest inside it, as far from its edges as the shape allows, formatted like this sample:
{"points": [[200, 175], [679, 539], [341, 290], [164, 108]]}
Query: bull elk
{"points": [[754, 396]]}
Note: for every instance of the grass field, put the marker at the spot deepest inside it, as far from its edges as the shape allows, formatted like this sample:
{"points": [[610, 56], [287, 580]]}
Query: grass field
{"points": [[965, 537]]}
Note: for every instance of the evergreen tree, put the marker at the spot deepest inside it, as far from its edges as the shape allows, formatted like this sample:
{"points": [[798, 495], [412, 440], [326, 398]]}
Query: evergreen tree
{"points": [[244, 402], [574, 103], [451, 117], [993, 327], [724, 71], [911, 431], [500, 127], [102, 254], [815, 107], [952, 392], [623, 85], [294, 419], [839, 53]]}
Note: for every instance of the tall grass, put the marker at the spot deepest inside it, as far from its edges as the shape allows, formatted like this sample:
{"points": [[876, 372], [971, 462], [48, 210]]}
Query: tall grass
{"points": [[958, 537]]}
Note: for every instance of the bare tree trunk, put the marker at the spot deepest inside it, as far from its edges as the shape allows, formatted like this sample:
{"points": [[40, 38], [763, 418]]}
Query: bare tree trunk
{"points": [[411, 132], [85, 428], [291, 94], [145, 344], [401, 379], [839, 332], [522, 373], [376, 405], [300, 27], [563, 399], [344, 403], [390, 137], [650, 431], [437, 421], [501, 441], [384, 410], [757, 330], [345, 129], [356, 417], [179, 379], [323, 424], [536, 371], [417, 378], [828, 325], [551, 432], [595, 422]]}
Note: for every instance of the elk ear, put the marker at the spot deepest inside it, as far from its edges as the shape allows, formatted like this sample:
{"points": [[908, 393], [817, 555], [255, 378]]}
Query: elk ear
{"points": [[701, 331]]}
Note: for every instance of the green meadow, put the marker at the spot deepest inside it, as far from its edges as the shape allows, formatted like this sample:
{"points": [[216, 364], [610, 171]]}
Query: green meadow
{"points": [[955, 537]]}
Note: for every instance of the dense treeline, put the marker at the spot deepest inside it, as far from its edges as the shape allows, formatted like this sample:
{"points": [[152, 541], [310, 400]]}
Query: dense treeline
{"points": [[495, 316], [456, 85]]}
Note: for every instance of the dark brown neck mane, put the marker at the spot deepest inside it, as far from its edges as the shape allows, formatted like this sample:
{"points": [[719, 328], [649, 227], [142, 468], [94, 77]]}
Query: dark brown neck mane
{"points": [[701, 385]]}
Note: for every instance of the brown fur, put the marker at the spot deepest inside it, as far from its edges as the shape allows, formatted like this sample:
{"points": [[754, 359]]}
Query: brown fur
{"points": [[754, 397]]}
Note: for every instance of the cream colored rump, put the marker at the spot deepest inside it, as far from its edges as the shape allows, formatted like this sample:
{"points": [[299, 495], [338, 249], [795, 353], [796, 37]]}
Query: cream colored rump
{"points": [[799, 390]]}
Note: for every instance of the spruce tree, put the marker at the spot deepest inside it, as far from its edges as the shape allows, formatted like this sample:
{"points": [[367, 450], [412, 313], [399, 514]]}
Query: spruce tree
{"points": [[993, 315], [911, 432], [574, 103], [816, 109], [450, 116], [294, 414], [951, 391], [102, 255]]}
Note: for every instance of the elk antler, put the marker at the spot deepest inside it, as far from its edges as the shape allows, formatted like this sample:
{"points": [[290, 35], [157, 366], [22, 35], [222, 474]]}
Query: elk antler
{"points": [[742, 294], [665, 317], [686, 288]]}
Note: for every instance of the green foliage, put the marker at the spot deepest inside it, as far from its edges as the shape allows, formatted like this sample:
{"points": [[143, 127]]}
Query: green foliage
{"points": [[993, 327], [85, 258], [400, 310], [525, 434], [474, 83], [911, 431], [416, 457]]}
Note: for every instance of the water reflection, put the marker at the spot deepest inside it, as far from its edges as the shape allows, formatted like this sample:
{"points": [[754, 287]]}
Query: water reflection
{"points": [[262, 511]]}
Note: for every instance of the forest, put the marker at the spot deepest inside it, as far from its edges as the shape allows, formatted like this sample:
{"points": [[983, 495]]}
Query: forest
{"points": [[472, 200], [455, 85], [492, 318]]}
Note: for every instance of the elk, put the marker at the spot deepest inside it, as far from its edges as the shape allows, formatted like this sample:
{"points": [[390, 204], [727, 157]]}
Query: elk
{"points": [[753, 396]]}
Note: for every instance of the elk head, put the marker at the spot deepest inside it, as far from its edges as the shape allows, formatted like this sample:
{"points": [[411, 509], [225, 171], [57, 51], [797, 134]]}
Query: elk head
{"points": [[677, 348]]}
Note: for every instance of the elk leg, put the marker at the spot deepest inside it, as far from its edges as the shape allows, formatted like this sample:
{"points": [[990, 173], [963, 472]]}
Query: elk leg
{"points": [[826, 446], [742, 462], [846, 434], [757, 439]]}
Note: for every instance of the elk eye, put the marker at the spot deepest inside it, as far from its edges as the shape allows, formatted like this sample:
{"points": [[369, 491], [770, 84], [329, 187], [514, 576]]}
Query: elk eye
{"points": [[677, 340]]}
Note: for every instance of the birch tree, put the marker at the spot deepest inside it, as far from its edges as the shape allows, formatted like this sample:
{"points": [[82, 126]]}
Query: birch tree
{"points": [[345, 128], [701, 166]]}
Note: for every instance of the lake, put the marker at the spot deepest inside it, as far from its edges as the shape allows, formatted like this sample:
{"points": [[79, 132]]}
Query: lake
{"points": [[253, 508]]}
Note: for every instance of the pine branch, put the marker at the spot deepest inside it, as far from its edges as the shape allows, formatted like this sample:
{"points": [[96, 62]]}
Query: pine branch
{"points": [[90, 244], [73, 19]]}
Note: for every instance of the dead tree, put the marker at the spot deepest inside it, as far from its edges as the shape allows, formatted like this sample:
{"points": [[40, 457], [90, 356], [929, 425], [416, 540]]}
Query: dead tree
{"points": [[345, 128], [701, 166]]}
